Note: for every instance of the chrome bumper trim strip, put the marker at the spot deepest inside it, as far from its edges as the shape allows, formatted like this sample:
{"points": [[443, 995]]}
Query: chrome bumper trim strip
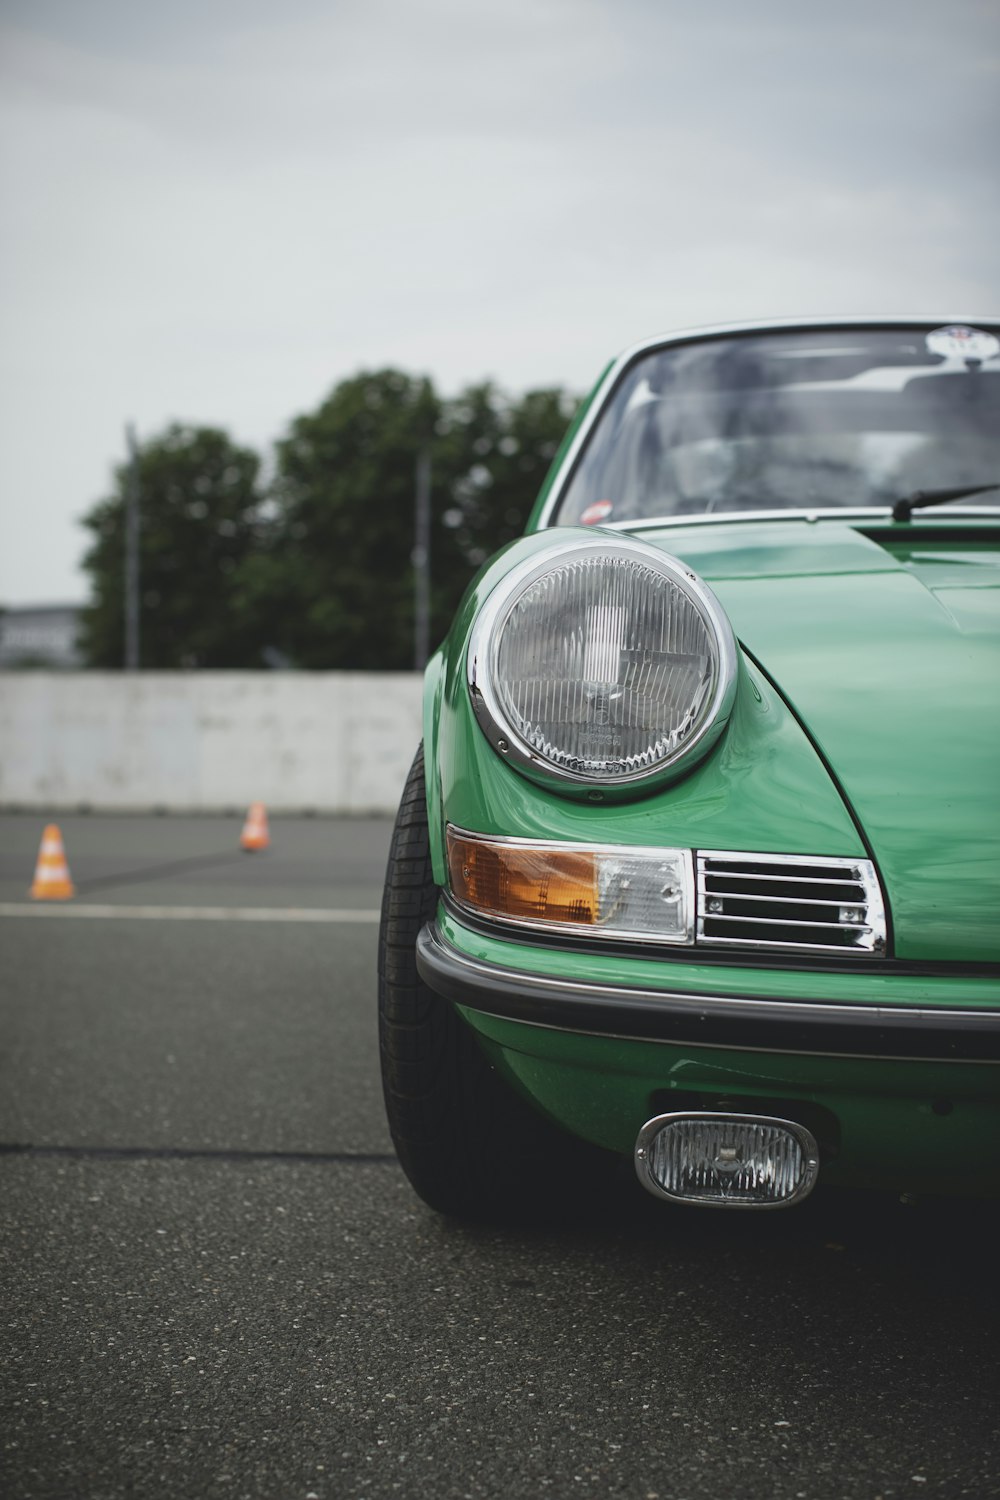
{"points": [[731, 1022]]}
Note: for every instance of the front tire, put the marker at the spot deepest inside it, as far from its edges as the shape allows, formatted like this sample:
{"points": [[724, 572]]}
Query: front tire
{"points": [[469, 1144]]}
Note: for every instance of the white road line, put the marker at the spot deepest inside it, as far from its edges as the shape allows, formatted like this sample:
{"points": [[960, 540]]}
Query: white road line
{"points": [[189, 913]]}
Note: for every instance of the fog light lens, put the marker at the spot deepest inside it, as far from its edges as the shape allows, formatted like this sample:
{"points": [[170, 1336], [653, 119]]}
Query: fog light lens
{"points": [[726, 1161]]}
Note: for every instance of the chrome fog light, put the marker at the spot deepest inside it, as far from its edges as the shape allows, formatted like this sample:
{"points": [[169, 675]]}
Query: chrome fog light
{"points": [[726, 1161]]}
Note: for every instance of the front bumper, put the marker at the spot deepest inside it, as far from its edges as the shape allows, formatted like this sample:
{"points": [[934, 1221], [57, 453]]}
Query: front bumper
{"points": [[902, 1094], [724, 1020]]}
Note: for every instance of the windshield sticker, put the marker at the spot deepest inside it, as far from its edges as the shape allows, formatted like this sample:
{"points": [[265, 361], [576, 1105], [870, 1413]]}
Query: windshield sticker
{"points": [[596, 513], [959, 342]]}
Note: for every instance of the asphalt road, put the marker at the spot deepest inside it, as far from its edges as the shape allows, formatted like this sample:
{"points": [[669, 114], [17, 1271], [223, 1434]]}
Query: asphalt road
{"points": [[215, 1280]]}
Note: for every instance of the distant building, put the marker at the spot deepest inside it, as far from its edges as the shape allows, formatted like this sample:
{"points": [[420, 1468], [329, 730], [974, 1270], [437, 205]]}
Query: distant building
{"points": [[40, 635]]}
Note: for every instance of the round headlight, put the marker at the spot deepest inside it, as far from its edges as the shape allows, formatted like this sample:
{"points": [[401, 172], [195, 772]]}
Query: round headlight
{"points": [[603, 662]]}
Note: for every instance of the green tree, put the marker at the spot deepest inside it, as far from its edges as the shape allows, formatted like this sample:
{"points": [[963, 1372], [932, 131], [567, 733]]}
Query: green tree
{"points": [[338, 578], [202, 520], [318, 572], [495, 452], [337, 581]]}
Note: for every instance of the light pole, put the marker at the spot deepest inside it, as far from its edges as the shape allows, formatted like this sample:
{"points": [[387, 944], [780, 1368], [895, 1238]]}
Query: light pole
{"points": [[133, 523]]}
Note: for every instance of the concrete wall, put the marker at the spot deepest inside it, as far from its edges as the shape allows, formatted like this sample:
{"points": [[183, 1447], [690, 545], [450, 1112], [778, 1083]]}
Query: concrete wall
{"points": [[329, 741]]}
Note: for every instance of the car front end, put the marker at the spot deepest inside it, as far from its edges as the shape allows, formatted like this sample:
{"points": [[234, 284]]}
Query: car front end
{"points": [[710, 779]]}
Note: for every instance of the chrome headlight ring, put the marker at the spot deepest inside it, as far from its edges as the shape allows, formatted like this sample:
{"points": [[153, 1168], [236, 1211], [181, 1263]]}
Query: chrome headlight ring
{"points": [[601, 666]]}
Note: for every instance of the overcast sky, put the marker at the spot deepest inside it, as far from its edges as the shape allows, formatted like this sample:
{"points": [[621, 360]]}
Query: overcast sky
{"points": [[213, 210]]}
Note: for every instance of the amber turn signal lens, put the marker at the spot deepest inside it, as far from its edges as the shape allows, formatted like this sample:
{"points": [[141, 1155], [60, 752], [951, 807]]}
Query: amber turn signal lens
{"points": [[636, 894], [522, 883]]}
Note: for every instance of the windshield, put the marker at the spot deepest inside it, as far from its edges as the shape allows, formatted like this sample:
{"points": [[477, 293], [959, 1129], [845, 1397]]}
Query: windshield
{"points": [[837, 417]]}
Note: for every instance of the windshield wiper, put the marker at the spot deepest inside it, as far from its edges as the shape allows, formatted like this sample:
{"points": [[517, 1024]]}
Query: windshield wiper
{"points": [[903, 509]]}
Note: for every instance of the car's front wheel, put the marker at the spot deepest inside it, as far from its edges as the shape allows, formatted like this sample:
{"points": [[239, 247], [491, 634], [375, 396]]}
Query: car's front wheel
{"points": [[469, 1144]]}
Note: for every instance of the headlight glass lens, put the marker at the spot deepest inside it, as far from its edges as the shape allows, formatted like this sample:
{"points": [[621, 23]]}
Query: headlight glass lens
{"points": [[608, 664]]}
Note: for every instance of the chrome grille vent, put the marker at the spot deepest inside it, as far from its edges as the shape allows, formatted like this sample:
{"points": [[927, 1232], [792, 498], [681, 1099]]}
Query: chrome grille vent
{"points": [[782, 901]]}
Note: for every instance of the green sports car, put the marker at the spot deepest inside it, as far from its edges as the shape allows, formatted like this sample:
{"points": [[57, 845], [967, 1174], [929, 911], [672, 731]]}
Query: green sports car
{"points": [[698, 863]]}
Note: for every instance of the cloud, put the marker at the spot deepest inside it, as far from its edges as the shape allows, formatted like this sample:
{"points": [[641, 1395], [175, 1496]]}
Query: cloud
{"points": [[216, 210]]}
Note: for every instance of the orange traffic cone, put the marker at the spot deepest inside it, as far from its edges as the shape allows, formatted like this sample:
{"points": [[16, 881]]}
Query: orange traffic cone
{"points": [[255, 834], [52, 880]]}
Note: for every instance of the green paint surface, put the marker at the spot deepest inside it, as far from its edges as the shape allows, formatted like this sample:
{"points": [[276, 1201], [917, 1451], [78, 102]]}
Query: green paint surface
{"points": [[867, 719], [887, 648], [902, 1126], [867, 715]]}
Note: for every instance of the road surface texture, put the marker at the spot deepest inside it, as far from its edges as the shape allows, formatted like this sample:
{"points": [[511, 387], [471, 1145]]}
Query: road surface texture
{"points": [[216, 1281]]}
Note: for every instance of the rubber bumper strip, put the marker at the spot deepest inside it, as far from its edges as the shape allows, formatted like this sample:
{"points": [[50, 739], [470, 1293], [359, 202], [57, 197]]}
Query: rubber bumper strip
{"points": [[741, 1022]]}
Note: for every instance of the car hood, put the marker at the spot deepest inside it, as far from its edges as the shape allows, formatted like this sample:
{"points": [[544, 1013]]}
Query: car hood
{"points": [[883, 641]]}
